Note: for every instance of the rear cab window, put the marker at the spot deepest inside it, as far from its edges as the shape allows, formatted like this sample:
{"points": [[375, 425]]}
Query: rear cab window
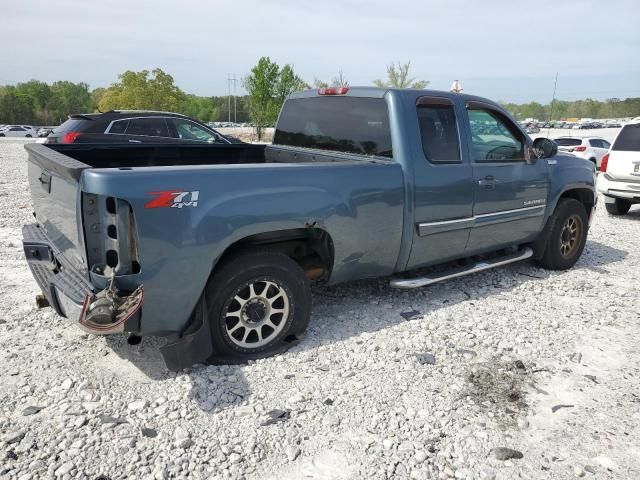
{"points": [[340, 124], [628, 139]]}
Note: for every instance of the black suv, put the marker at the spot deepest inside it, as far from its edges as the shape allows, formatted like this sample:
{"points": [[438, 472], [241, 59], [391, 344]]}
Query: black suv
{"points": [[132, 126]]}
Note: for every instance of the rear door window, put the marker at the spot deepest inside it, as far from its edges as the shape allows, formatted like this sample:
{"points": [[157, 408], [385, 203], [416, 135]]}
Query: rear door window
{"points": [[340, 124], [439, 133], [119, 127], [628, 139], [148, 127]]}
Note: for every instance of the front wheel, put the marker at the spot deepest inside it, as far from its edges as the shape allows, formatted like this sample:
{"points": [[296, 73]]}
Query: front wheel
{"points": [[567, 235], [259, 304], [618, 207]]}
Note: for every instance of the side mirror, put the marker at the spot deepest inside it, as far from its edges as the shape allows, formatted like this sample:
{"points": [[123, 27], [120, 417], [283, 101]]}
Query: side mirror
{"points": [[544, 147]]}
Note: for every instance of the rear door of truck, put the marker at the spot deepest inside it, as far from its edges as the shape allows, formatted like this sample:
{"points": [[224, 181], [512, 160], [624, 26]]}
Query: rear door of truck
{"points": [[55, 192]]}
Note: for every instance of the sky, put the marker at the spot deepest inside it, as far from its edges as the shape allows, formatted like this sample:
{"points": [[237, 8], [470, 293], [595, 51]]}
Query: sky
{"points": [[501, 49]]}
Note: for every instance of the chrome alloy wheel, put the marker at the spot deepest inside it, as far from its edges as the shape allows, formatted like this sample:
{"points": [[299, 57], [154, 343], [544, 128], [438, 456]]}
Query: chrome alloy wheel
{"points": [[256, 313]]}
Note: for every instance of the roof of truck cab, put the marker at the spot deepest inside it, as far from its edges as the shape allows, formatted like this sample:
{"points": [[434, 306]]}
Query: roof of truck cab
{"points": [[377, 92]]}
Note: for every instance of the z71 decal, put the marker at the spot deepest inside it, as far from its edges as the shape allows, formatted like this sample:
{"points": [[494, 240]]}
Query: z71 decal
{"points": [[173, 199]]}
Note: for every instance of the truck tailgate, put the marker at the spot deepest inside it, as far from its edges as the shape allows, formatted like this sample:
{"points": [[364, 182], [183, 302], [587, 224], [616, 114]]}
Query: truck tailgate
{"points": [[54, 183]]}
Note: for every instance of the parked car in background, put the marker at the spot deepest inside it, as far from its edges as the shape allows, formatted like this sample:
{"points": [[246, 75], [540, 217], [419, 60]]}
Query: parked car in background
{"points": [[44, 131], [134, 126], [18, 131], [589, 148], [619, 181], [532, 128]]}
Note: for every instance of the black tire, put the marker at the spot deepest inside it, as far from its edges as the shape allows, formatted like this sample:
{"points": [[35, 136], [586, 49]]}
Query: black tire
{"points": [[1, 134], [28, 135], [618, 207], [231, 280], [562, 250]]}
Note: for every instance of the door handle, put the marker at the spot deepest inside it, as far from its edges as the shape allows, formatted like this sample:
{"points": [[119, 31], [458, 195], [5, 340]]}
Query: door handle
{"points": [[135, 141]]}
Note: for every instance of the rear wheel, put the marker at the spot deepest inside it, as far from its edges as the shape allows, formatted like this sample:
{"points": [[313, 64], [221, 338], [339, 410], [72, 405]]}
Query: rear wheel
{"points": [[28, 135], [618, 207], [259, 304], [567, 235]]}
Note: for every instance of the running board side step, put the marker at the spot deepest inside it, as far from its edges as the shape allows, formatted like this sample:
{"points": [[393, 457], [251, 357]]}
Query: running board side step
{"points": [[459, 272]]}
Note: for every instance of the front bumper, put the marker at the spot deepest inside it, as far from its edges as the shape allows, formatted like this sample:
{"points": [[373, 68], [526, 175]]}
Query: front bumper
{"points": [[613, 188]]}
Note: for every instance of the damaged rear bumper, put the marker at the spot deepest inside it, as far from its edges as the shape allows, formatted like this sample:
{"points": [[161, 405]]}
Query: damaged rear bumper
{"points": [[69, 292]]}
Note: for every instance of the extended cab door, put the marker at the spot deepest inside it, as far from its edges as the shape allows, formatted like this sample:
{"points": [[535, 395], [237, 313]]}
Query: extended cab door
{"points": [[443, 192], [510, 185]]}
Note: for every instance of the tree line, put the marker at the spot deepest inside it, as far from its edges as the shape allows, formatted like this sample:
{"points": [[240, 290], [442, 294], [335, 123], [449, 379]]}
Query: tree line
{"points": [[589, 108], [267, 85]]}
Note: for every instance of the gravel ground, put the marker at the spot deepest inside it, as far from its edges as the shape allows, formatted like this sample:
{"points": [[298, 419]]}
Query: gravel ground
{"points": [[511, 373]]}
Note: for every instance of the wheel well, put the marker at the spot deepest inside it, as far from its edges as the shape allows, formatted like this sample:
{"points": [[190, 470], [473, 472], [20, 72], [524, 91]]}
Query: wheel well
{"points": [[583, 195], [311, 248]]}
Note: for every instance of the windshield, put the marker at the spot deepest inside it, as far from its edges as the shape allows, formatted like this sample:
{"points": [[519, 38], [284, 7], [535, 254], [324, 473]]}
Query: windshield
{"points": [[341, 124]]}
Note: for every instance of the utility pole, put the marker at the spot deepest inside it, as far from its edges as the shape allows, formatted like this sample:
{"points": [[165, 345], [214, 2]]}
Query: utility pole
{"points": [[229, 87], [233, 80]]}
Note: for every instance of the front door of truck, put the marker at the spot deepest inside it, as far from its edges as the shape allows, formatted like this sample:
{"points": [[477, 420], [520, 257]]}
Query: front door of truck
{"points": [[443, 195], [510, 185]]}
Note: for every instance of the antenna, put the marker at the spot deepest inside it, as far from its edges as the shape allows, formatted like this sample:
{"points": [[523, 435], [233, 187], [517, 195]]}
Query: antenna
{"points": [[552, 102]]}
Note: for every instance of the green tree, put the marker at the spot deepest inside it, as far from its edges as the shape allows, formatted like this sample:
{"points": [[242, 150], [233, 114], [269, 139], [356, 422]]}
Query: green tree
{"points": [[14, 107], [338, 81], [143, 90], [398, 77], [268, 86]]}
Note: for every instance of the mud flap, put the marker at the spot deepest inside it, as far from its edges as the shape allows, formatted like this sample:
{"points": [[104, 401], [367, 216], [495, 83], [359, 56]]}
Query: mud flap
{"points": [[192, 347]]}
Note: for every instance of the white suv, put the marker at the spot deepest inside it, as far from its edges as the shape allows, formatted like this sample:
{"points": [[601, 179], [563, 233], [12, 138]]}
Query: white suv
{"points": [[589, 148], [619, 180], [17, 131]]}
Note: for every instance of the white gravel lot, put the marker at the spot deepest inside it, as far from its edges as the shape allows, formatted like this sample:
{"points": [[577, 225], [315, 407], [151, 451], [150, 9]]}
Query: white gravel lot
{"points": [[544, 363]]}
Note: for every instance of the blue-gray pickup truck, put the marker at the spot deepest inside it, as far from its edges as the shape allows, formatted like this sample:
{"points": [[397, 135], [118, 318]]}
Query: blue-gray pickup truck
{"points": [[216, 246]]}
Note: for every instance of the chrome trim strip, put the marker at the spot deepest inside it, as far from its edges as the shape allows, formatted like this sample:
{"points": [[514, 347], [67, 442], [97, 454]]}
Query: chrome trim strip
{"points": [[430, 228], [459, 272], [508, 215]]}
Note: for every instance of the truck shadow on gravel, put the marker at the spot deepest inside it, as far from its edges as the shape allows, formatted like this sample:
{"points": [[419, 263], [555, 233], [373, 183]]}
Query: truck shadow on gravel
{"points": [[211, 387], [350, 309]]}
